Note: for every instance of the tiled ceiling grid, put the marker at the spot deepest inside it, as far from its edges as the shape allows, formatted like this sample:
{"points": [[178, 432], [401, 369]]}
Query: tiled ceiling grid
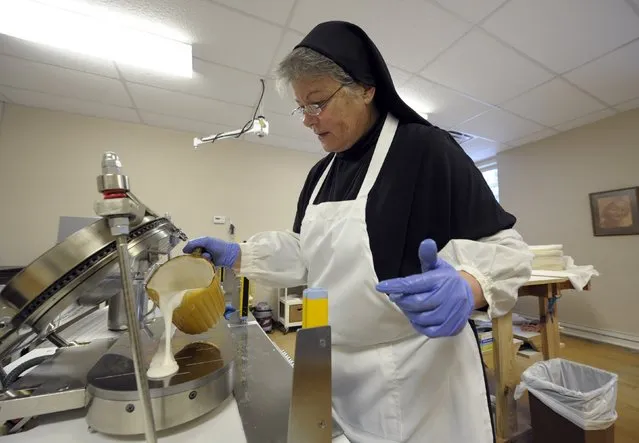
{"points": [[507, 71]]}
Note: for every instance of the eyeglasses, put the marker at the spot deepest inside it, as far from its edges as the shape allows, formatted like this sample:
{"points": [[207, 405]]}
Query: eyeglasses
{"points": [[314, 109]]}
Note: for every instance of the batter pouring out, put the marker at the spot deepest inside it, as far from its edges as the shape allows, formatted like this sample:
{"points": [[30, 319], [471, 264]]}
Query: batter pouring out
{"points": [[163, 363], [169, 286]]}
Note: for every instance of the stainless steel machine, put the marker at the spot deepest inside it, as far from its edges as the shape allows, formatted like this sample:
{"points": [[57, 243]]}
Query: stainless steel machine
{"points": [[104, 378], [107, 262]]}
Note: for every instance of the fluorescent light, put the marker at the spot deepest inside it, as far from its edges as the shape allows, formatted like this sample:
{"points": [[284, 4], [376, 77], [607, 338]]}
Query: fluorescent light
{"points": [[99, 37]]}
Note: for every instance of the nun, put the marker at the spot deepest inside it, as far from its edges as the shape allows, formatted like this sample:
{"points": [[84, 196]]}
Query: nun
{"points": [[399, 226]]}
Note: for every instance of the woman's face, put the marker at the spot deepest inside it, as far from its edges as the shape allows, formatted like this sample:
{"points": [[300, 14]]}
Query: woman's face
{"points": [[344, 118]]}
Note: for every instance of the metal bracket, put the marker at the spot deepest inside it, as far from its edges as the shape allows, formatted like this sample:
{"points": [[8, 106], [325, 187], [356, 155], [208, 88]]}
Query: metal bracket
{"points": [[310, 414]]}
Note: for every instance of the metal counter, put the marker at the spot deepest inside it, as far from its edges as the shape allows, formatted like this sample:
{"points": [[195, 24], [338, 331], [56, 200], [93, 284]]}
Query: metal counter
{"points": [[263, 376]]}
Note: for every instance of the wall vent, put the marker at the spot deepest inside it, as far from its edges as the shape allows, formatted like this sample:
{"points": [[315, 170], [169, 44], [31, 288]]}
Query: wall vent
{"points": [[461, 137]]}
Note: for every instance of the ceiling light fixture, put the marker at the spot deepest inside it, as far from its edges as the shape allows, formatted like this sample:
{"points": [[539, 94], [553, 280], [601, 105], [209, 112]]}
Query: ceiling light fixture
{"points": [[99, 37]]}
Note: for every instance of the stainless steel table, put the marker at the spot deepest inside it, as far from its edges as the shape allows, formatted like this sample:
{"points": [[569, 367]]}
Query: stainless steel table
{"points": [[263, 386]]}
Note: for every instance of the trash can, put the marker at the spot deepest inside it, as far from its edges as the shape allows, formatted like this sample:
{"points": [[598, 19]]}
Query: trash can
{"points": [[570, 402]]}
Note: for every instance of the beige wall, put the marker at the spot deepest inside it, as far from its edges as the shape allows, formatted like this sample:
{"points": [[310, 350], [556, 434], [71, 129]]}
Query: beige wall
{"points": [[49, 161], [546, 185]]}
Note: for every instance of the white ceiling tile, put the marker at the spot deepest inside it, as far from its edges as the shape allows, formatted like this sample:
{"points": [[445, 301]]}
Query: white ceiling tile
{"points": [[480, 148], [445, 108], [289, 126], [198, 128], [408, 33], [185, 106], [586, 119], [66, 104], [499, 125], [227, 37], [209, 80], [629, 105], [399, 76], [409, 44], [479, 155], [274, 101], [472, 10], [308, 13], [482, 67], [477, 70], [564, 34], [614, 78], [536, 136], [218, 34], [288, 143], [57, 57], [23, 74], [276, 11], [553, 103], [289, 40]]}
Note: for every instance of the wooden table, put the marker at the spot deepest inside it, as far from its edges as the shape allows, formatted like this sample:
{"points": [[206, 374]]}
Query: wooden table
{"points": [[546, 289]]}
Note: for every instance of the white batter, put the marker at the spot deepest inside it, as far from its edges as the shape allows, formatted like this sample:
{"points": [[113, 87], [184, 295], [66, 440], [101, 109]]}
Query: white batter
{"points": [[171, 282], [163, 363]]}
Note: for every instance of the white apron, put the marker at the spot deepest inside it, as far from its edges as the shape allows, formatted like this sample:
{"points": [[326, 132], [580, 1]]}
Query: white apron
{"points": [[390, 384]]}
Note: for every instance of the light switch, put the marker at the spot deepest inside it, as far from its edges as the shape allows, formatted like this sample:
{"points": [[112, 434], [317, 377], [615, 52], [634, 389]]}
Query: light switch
{"points": [[219, 219]]}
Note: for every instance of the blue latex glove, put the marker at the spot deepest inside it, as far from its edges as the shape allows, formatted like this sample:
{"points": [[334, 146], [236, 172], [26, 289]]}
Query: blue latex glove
{"points": [[218, 251], [438, 302], [228, 311]]}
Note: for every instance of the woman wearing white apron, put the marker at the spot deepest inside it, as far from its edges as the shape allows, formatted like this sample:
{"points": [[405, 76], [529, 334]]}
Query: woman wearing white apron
{"points": [[371, 218]]}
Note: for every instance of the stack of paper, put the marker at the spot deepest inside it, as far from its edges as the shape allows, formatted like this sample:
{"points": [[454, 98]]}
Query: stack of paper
{"points": [[548, 257]]}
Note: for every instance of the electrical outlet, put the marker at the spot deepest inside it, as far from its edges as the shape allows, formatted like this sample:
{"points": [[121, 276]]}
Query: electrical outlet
{"points": [[219, 219]]}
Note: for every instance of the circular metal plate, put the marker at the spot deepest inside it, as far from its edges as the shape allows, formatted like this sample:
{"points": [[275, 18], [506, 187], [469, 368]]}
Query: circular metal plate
{"points": [[114, 373], [204, 380]]}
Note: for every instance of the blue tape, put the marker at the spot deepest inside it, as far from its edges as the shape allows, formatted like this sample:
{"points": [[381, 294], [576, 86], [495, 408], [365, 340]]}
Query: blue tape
{"points": [[315, 293]]}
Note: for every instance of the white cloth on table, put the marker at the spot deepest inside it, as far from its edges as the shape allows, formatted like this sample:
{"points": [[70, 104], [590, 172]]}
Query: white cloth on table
{"points": [[579, 276]]}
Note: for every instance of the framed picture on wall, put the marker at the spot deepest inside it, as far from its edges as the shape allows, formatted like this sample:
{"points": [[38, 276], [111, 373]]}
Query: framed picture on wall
{"points": [[615, 212]]}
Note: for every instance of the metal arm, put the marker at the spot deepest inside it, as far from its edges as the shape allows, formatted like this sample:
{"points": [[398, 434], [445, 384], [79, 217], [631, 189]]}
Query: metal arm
{"points": [[120, 210], [259, 127]]}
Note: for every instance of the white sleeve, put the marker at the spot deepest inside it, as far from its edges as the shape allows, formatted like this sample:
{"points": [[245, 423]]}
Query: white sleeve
{"points": [[273, 259], [501, 264]]}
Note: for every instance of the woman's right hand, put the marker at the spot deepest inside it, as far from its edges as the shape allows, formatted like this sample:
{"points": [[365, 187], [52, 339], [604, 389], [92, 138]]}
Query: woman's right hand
{"points": [[219, 252]]}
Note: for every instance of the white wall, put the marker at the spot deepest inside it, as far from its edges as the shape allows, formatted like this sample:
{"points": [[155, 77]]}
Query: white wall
{"points": [[49, 162], [2, 105], [546, 185]]}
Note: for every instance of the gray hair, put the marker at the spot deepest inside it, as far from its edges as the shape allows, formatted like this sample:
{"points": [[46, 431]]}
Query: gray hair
{"points": [[305, 62]]}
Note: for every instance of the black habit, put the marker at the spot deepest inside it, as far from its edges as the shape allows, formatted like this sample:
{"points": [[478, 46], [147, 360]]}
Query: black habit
{"points": [[428, 186]]}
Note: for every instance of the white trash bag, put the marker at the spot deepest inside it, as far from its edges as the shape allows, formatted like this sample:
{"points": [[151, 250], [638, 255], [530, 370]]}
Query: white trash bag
{"points": [[582, 394]]}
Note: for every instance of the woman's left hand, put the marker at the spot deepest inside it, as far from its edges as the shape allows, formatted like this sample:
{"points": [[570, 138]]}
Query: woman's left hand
{"points": [[438, 302]]}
